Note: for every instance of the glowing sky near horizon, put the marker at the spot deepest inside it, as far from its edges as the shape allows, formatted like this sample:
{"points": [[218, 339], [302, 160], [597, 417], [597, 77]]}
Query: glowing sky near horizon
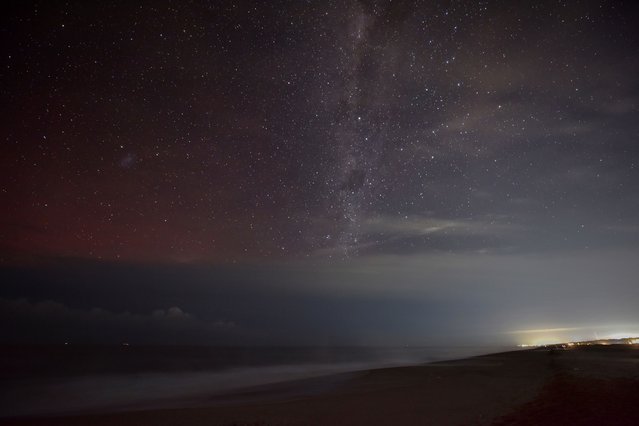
{"points": [[543, 336]]}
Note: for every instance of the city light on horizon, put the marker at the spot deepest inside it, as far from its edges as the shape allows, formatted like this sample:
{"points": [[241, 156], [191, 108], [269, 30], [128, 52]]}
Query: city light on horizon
{"points": [[534, 337]]}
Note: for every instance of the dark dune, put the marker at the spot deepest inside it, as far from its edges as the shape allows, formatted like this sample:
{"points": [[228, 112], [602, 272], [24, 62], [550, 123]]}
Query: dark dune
{"points": [[591, 385]]}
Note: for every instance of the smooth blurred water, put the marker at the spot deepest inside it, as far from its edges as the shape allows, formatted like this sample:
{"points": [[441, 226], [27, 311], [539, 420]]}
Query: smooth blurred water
{"points": [[52, 380]]}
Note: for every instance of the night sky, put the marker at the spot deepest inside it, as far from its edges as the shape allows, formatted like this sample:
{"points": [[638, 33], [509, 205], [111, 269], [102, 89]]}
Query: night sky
{"points": [[319, 172]]}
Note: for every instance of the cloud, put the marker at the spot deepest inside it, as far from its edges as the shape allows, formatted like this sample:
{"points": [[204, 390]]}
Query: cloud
{"points": [[418, 225], [39, 318], [172, 312], [407, 234], [53, 308], [385, 299]]}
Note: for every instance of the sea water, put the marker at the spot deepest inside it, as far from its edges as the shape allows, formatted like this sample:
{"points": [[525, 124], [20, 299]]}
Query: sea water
{"points": [[76, 379]]}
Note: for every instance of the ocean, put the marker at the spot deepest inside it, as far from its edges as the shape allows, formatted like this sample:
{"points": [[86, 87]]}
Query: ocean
{"points": [[46, 380]]}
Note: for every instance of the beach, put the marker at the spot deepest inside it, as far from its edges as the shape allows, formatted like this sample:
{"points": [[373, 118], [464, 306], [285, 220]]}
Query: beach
{"points": [[576, 385]]}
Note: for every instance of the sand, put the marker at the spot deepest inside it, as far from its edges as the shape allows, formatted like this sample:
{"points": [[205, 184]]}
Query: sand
{"points": [[578, 386]]}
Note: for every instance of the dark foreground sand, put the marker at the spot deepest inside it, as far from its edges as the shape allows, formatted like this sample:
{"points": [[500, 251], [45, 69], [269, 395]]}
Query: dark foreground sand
{"points": [[594, 385]]}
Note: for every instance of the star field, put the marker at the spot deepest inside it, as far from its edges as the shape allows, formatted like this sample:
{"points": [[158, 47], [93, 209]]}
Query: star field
{"points": [[239, 131]]}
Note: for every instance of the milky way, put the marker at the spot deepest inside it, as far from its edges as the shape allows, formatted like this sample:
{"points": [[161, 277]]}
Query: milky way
{"points": [[226, 132]]}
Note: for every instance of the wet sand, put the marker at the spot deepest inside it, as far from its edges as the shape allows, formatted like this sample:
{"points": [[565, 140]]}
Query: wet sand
{"points": [[577, 386]]}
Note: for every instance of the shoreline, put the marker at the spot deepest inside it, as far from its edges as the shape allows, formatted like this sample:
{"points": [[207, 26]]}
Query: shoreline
{"points": [[484, 389], [66, 380]]}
